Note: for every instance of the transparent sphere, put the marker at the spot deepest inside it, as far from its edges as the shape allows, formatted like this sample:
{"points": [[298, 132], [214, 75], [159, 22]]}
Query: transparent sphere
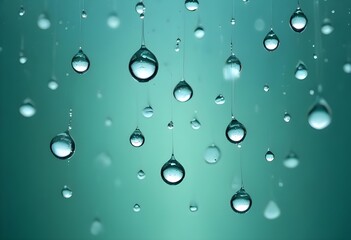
{"points": [[84, 14], [62, 146], [319, 117], [241, 201], [232, 68], [327, 27], [80, 62], [143, 65], [212, 154], [287, 117], [27, 108], [182, 91], [298, 20], [43, 22], [66, 192], [269, 156], [113, 21], [140, 8], [141, 174], [137, 138], [291, 161], [266, 88], [301, 71], [271, 211], [53, 84], [193, 208], [271, 41], [347, 67], [235, 132], [136, 208], [219, 100], [191, 5], [172, 172], [148, 112], [199, 32], [195, 124], [96, 227]]}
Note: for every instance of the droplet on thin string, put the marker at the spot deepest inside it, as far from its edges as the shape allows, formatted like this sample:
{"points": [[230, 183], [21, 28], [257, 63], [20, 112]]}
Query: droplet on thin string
{"points": [[195, 124], [80, 62], [22, 58], [327, 27], [136, 208], [170, 125], [172, 172], [62, 146], [232, 68], [347, 67], [212, 154], [232, 21], [43, 22], [66, 192], [271, 211], [287, 117], [193, 207], [266, 88], [53, 84], [235, 132], [291, 161], [27, 108], [84, 14], [113, 21], [315, 56], [148, 112], [143, 65], [298, 20], [241, 201], [141, 174], [182, 91], [301, 71], [319, 116], [21, 11], [199, 32], [96, 227], [269, 156], [140, 9], [219, 100], [271, 41], [137, 138], [191, 5]]}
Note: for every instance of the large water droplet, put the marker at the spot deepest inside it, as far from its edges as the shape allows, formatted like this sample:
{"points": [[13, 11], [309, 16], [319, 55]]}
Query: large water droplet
{"points": [[241, 201], [199, 32], [172, 172], [271, 211], [291, 161], [113, 20], [137, 138], [141, 174], [148, 112], [80, 62], [143, 65], [232, 68], [319, 117], [212, 154], [271, 41], [96, 227], [298, 20], [195, 124], [220, 99], [182, 91], [235, 132], [66, 192], [269, 156], [136, 208], [62, 146], [191, 5], [327, 27], [301, 71], [43, 22], [27, 108]]}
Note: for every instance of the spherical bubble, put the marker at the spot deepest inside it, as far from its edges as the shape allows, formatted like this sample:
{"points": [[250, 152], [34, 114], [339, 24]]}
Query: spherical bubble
{"points": [[62, 146], [43, 22], [113, 21], [212, 154]]}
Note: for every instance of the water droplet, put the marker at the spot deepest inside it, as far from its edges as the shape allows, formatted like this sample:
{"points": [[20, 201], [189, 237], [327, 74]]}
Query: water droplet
{"points": [[140, 9], [235, 132], [143, 65], [347, 67], [191, 5], [66, 192], [170, 125], [199, 32], [136, 208], [291, 161], [232, 21], [113, 21], [22, 58], [219, 100], [266, 88], [319, 117], [301, 71], [269, 156], [271, 41], [212, 154], [141, 175], [137, 138], [182, 91], [193, 208], [43, 22], [104, 159], [241, 201], [232, 68], [27, 108], [298, 20], [80, 62], [53, 84], [311, 92], [172, 172], [271, 211], [21, 11], [315, 56], [327, 28], [148, 112], [96, 227], [62, 146], [84, 14], [245, 1], [177, 47], [195, 124], [108, 122], [287, 117]]}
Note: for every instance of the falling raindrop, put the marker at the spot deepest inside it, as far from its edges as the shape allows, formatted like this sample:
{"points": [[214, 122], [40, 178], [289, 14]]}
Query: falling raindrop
{"points": [[22, 58], [271, 211], [191, 5], [193, 208], [84, 14], [113, 21], [347, 67], [269, 156], [21, 11], [287, 117], [62, 146], [27, 108], [232, 68], [182, 91], [271, 41], [136, 208], [172, 172], [137, 138], [301, 71], [199, 32], [241, 201], [96, 227], [266, 88], [298, 20], [327, 27], [66, 192], [235, 132], [195, 124], [170, 125], [43, 22], [291, 161], [232, 21], [80, 62], [141, 174], [143, 65], [319, 117], [212, 154], [53, 84], [148, 112], [219, 100]]}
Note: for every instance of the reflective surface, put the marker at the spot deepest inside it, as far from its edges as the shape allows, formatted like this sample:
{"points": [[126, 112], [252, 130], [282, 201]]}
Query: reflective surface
{"points": [[143, 65], [172, 172], [62, 146], [241, 201]]}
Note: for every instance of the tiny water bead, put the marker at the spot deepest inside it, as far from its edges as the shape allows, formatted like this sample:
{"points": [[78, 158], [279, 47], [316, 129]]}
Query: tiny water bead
{"points": [[241, 201], [319, 117], [143, 65], [96, 227], [232, 67], [137, 138], [269, 156], [66, 192], [191, 5], [141, 174], [235, 132], [148, 112], [266, 88], [232, 21], [22, 58], [43, 22], [80, 62], [347, 67], [271, 41], [195, 124], [172, 172], [84, 14], [62, 146], [140, 8], [177, 47], [53, 84], [136, 208], [287, 117], [170, 125], [108, 122], [199, 32], [301, 71], [182, 91], [271, 211], [27, 108], [212, 154], [298, 20], [193, 208], [113, 21], [291, 161], [219, 100], [21, 11], [327, 27]]}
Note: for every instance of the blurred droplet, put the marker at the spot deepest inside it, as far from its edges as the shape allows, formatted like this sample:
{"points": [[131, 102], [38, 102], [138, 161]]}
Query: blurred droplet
{"points": [[271, 211], [136, 208], [84, 14], [43, 22], [212, 154], [347, 67], [53, 84], [148, 112], [319, 117], [66, 192], [170, 125], [108, 122], [266, 88], [232, 21], [291, 161], [327, 27], [96, 227], [287, 117], [193, 208], [232, 68], [104, 159], [21, 11], [301, 71], [22, 58], [141, 174], [27, 108], [199, 32], [191, 5], [113, 21], [259, 24], [195, 124]]}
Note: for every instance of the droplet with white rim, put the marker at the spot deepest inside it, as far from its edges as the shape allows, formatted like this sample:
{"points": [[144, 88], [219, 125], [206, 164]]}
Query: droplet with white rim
{"points": [[113, 21], [143, 65], [347, 67], [199, 32], [21, 11], [193, 208], [27, 108], [219, 100], [287, 117], [195, 124], [271, 211], [62, 146], [84, 14], [235, 132], [327, 28], [43, 22], [298, 20], [148, 112], [291, 160], [80, 62], [192, 5], [241, 201], [271, 41], [301, 71], [319, 116], [232, 68], [232, 21], [212, 154], [266, 88], [269, 156], [96, 227], [136, 208], [141, 174], [140, 8], [172, 172], [137, 138], [182, 91], [66, 192]]}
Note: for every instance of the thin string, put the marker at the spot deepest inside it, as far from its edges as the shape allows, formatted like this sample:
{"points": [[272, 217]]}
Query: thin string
{"points": [[271, 14], [232, 99], [81, 4], [318, 41], [241, 169], [183, 44], [142, 32]]}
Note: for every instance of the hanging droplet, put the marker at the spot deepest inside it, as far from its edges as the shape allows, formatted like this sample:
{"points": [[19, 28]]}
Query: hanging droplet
{"points": [[177, 47], [287, 117], [170, 125], [199, 32], [137, 138], [271, 41], [21, 11], [143, 65], [172, 172], [182, 91], [193, 208], [319, 117], [271, 211], [327, 27], [298, 20], [62, 146], [148, 112], [301, 71], [241, 201], [232, 21], [53, 84], [136, 208], [141, 174], [80, 62], [191, 5], [245, 1], [219, 100], [96, 227], [347, 67], [232, 68], [108, 122], [212, 154], [140, 9], [266, 88], [27, 108], [113, 21], [291, 161], [66, 192], [235, 132], [315, 56], [22, 58], [43, 22], [84, 14], [195, 124], [269, 156]]}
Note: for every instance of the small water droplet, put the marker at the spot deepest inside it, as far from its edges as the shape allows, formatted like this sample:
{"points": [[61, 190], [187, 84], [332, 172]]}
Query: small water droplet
{"points": [[104, 159], [53, 84], [219, 100], [235, 132], [62, 146], [172, 172], [43, 22], [22, 58], [108, 122], [193, 208], [137, 138], [182, 91], [21, 11], [315, 56], [232, 68], [269, 156], [80, 62], [191, 5], [271, 211], [311, 92], [143, 65], [195, 124], [212, 154], [327, 27], [347, 67], [291, 161], [280, 183], [136, 208], [271, 41], [199, 32], [266, 88], [319, 117], [232, 21], [170, 125], [113, 21], [298, 20], [301, 71], [84, 14], [287, 117], [241, 201], [148, 112], [140, 9], [66, 192], [27, 108], [141, 174], [96, 227]]}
